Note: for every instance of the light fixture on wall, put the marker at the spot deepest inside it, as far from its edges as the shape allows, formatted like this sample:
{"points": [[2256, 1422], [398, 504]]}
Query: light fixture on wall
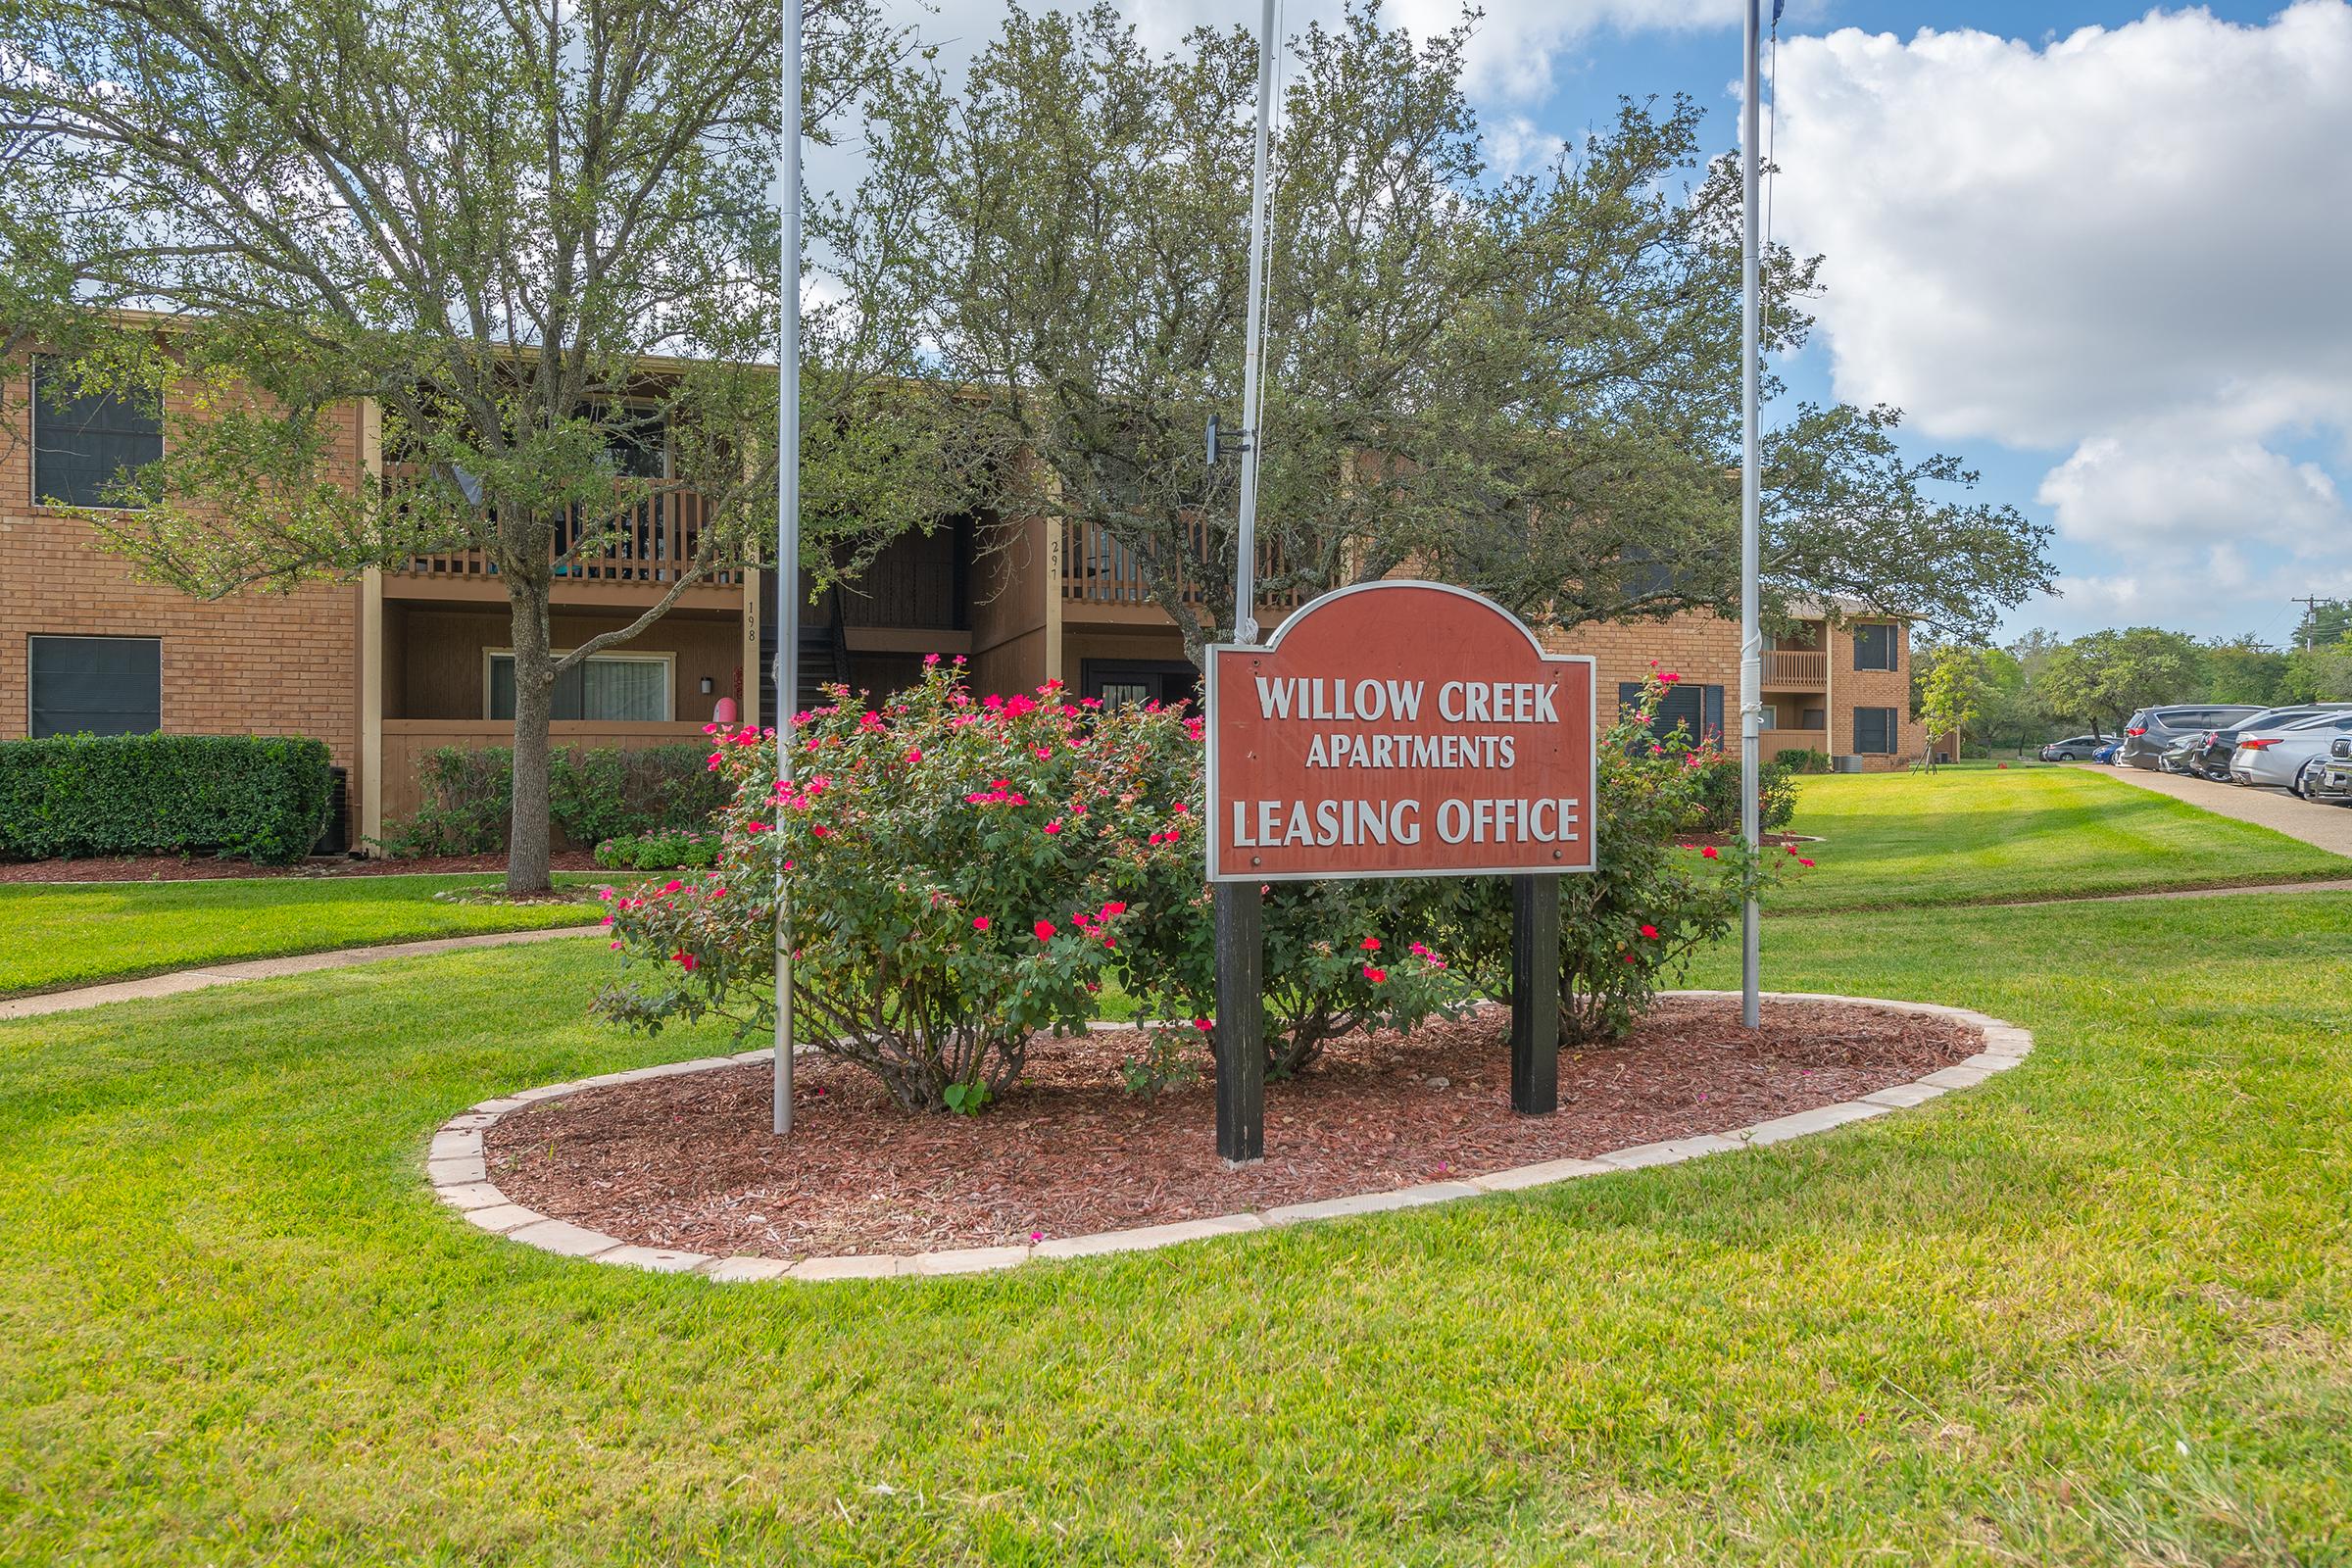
{"points": [[708, 685]]}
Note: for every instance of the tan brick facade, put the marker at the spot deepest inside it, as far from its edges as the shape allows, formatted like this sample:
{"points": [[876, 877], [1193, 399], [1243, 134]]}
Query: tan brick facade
{"points": [[259, 664], [302, 663]]}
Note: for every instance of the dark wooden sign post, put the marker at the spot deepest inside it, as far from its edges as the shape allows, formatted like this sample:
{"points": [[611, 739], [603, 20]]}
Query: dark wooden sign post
{"points": [[1395, 729]]}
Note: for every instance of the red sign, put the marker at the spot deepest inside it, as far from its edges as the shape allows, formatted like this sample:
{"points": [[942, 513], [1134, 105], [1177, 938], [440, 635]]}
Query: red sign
{"points": [[1399, 729]]}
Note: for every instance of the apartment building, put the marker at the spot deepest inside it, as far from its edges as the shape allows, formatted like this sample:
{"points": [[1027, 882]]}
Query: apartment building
{"points": [[414, 658]]}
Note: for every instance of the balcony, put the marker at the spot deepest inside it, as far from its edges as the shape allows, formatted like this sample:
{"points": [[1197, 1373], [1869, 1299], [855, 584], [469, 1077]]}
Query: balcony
{"points": [[1773, 741], [637, 561], [1806, 669], [1103, 579]]}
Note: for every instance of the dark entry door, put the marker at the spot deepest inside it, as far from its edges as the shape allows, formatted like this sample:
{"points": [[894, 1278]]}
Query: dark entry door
{"points": [[1120, 680]]}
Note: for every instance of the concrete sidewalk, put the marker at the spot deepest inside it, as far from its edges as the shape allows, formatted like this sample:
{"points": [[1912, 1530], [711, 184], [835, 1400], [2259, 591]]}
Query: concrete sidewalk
{"points": [[222, 974], [2328, 827]]}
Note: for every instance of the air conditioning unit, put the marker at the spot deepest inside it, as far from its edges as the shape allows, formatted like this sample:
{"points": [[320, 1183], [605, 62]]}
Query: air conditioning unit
{"points": [[1845, 765]]}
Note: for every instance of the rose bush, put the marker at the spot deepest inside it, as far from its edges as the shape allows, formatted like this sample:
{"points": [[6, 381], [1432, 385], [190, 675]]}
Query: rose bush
{"points": [[963, 870], [970, 873], [1629, 927]]}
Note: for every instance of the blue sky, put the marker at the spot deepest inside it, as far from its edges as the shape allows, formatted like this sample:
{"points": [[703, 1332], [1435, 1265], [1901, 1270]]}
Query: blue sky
{"points": [[2098, 250]]}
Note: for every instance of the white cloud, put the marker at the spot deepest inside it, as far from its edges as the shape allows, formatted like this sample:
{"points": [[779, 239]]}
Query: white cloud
{"points": [[2126, 245], [2149, 490]]}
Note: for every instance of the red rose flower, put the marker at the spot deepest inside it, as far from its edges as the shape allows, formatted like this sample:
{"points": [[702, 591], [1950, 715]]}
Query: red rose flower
{"points": [[980, 923], [1650, 931], [1376, 976], [1045, 930]]}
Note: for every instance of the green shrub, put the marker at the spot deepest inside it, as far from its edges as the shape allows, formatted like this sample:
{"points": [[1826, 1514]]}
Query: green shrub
{"points": [[659, 852], [1629, 927], [593, 795], [975, 871], [1804, 761], [257, 797]]}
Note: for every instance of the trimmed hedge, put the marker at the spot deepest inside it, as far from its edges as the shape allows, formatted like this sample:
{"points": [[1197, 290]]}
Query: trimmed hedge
{"points": [[263, 797]]}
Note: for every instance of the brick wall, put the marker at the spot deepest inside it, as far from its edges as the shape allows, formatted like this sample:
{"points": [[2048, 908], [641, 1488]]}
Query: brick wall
{"points": [[1851, 688], [1702, 649], [259, 664]]}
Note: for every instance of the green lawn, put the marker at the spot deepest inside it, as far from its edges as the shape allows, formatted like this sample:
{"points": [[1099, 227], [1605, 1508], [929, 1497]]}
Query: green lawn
{"points": [[1983, 835], [87, 933], [2097, 1311]]}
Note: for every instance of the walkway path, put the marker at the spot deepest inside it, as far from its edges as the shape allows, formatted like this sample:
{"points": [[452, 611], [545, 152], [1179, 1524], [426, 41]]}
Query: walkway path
{"points": [[222, 974], [2329, 827]]}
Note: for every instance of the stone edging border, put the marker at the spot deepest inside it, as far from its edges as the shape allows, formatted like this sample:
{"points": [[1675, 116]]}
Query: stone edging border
{"points": [[455, 1167]]}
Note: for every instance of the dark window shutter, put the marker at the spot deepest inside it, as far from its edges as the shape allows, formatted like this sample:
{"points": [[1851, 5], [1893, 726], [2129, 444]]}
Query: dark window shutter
{"points": [[102, 685], [81, 443], [1874, 647], [1874, 731]]}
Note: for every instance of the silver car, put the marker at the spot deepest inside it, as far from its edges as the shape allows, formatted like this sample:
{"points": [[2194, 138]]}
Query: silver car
{"points": [[2274, 758], [2328, 778]]}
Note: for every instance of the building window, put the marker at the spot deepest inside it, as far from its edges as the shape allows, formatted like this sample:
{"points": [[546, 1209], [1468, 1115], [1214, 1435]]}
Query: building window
{"points": [[607, 688], [1874, 731], [83, 443], [1874, 646], [1696, 708], [95, 685]]}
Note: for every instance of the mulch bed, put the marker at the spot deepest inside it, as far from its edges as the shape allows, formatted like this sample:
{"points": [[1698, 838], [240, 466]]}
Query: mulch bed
{"points": [[688, 1161], [174, 868]]}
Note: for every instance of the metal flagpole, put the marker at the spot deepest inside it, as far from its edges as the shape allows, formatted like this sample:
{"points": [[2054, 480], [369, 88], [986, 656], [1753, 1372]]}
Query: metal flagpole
{"points": [[788, 528], [1244, 576], [1239, 915], [1751, 633]]}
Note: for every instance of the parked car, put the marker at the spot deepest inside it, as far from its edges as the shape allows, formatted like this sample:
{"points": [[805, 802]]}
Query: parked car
{"points": [[2074, 749], [2153, 732], [2328, 778], [2213, 761], [2185, 755], [2274, 758], [2107, 753]]}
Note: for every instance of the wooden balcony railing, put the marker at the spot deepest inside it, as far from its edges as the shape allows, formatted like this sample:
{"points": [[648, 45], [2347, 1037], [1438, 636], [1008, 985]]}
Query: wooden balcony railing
{"points": [[1098, 569], [1804, 668], [1773, 741], [653, 544]]}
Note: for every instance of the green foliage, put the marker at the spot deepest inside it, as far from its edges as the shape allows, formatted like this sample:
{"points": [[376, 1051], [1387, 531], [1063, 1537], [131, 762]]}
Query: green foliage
{"points": [[2322, 675], [484, 219], [659, 852], [1953, 693], [1804, 760], [1527, 384], [598, 793], [966, 875], [1631, 925], [974, 873], [255, 796]]}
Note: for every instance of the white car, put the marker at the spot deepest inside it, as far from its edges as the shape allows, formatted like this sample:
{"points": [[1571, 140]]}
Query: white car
{"points": [[2274, 758]]}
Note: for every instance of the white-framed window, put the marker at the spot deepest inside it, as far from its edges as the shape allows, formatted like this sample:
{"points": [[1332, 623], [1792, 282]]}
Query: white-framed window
{"points": [[609, 687]]}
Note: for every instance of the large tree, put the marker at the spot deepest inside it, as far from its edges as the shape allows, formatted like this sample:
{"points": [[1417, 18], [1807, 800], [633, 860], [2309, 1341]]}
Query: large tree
{"points": [[483, 217], [2108, 674], [1528, 384]]}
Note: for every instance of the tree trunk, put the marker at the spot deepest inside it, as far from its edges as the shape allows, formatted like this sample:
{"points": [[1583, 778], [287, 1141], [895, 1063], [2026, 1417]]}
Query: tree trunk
{"points": [[527, 847]]}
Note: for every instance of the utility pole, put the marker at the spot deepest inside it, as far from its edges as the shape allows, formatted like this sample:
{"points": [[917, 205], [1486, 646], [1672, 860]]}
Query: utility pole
{"points": [[788, 528], [1751, 631], [2311, 614]]}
